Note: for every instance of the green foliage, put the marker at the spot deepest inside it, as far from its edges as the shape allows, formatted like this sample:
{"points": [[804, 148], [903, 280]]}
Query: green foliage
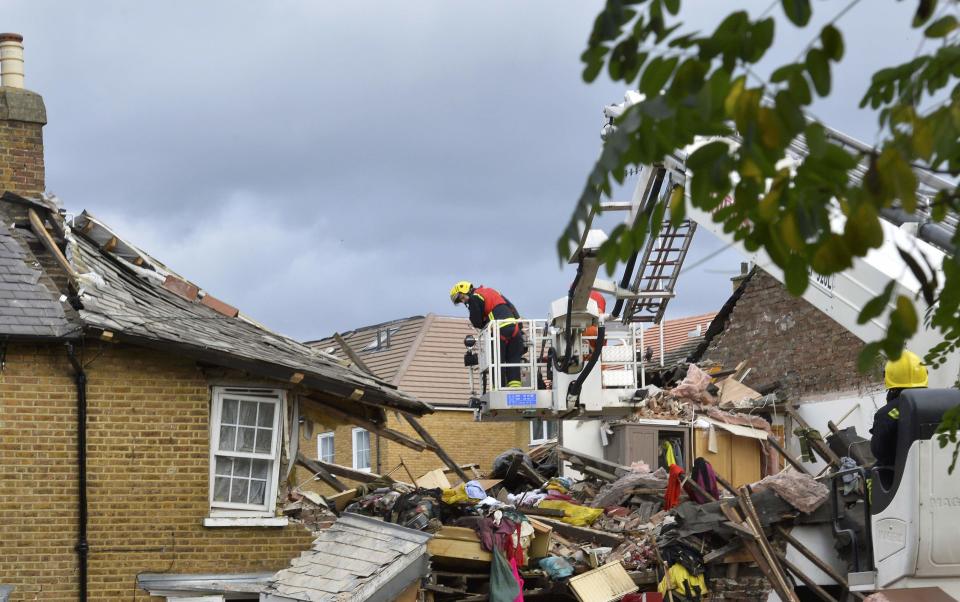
{"points": [[699, 86]]}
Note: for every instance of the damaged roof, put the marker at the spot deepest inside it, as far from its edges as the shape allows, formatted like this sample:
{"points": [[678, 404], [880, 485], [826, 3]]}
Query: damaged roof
{"points": [[121, 293], [358, 558], [681, 338], [27, 308]]}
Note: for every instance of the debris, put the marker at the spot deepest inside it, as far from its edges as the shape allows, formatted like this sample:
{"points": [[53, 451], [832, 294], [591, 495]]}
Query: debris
{"points": [[605, 584], [802, 491]]}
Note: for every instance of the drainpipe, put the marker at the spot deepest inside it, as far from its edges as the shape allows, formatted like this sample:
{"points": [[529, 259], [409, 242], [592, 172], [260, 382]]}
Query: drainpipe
{"points": [[83, 547], [379, 467]]}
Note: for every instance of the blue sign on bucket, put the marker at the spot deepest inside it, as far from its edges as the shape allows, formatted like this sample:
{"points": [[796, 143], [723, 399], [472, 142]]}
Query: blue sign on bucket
{"points": [[521, 400]]}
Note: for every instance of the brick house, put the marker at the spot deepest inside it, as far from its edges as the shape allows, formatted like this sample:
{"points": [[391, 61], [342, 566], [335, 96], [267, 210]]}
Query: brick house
{"points": [[421, 355], [146, 427], [786, 340]]}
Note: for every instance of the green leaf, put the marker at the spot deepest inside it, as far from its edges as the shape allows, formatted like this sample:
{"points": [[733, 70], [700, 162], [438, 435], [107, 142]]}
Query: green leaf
{"points": [[800, 89], [798, 11], [868, 357], [832, 42], [816, 140], [762, 38], [819, 70], [907, 313], [925, 9], [782, 74], [831, 256], [673, 6], [876, 306], [795, 273], [941, 27], [656, 74], [862, 230], [926, 287], [790, 113], [708, 154]]}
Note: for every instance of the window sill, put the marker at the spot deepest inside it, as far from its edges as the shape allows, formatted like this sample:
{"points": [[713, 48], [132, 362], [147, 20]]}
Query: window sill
{"points": [[250, 521]]}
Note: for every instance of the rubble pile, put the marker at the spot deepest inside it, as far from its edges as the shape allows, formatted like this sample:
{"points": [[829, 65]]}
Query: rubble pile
{"points": [[525, 532]]}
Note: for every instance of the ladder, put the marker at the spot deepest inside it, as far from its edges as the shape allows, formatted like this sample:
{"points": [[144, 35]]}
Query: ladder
{"points": [[658, 270]]}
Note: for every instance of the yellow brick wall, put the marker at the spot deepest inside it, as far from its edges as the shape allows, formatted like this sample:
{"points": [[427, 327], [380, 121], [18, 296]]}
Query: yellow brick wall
{"points": [[148, 473], [465, 440]]}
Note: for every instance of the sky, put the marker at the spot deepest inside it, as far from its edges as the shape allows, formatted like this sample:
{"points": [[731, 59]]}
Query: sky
{"points": [[325, 166]]}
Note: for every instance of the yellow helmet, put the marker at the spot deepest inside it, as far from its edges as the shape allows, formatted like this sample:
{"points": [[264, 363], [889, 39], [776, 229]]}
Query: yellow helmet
{"points": [[906, 372], [462, 287]]}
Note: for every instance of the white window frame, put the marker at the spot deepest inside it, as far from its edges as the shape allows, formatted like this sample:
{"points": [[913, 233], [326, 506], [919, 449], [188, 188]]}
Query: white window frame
{"points": [[354, 434], [227, 509], [331, 436], [543, 428]]}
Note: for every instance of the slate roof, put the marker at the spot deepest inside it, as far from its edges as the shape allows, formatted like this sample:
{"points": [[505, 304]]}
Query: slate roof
{"points": [[358, 558], [27, 308], [150, 305], [424, 355]]}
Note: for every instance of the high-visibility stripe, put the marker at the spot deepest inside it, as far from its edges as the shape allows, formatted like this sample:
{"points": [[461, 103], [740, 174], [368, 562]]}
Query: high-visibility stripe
{"points": [[894, 413]]}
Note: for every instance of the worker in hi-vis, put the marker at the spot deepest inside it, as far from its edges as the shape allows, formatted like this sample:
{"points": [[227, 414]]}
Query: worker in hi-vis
{"points": [[486, 304], [907, 372]]}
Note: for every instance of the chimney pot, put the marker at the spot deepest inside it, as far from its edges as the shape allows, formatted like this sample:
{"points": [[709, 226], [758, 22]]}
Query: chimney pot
{"points": [[11, 60]]}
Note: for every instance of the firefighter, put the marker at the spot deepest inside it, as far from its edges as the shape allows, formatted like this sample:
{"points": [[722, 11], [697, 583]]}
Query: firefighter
{"points": [[907, 372], [487, 304]]}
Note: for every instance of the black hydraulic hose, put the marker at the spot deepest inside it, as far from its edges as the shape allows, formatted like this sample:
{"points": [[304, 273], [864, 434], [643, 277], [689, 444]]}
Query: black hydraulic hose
{"points": [[83, 546], [568, 328], [575, 386], [625, 282]]}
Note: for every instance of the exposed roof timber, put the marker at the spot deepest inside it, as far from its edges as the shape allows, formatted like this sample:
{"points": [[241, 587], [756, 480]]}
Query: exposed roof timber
{"points": [[331, 407]]}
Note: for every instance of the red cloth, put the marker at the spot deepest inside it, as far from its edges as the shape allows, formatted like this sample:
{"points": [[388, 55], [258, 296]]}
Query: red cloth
{"points": [[672, 497]]}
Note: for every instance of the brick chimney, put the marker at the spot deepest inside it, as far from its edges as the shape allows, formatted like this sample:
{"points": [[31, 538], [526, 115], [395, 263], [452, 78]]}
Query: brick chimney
{"points": [[22, 117]]}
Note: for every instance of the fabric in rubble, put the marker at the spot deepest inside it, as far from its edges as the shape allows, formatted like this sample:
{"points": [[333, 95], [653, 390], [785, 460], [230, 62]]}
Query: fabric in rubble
{"points": [[801, 491], [573, 514], [556, 567], [690, 587], [850, 480], [706, 478], [503, 586], [672, 497]]}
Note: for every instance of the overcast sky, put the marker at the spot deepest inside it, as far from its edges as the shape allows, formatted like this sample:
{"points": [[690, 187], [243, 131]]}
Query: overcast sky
{"points": [[325, 166]]}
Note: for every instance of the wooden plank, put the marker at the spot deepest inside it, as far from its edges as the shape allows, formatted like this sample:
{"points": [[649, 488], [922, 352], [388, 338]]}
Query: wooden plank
{"points": [[437, 449], [583, 534], [779, 582], [821, 446], [434, 479], [343, 499], [341, 471], [318, 469], [371, 426], [350, 353], [38, 228], [816, 560], [783, 453], [587, 460], [819, 591]]}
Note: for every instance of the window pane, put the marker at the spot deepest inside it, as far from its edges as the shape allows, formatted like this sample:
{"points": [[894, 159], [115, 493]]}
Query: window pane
{"points": [[264, 439], [228, 438], [245, 439], [363, 458], [221, 489], [261, 468], [224, 466], [241, 467], [265, 416], [248, 413], [238, 491], [552, 427], [326, 448], [229, 411], [257, 492]]}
